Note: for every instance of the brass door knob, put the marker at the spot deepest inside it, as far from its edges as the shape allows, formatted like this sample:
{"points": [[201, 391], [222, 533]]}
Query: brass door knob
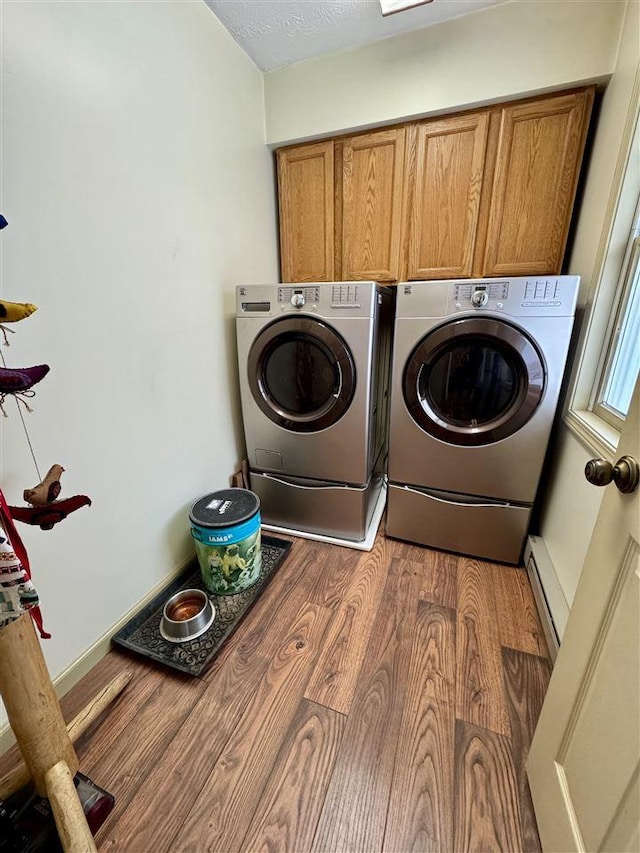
{"points": [[625, 473]]}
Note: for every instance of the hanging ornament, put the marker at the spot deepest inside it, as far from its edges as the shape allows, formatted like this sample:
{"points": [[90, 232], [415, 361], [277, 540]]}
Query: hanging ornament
{"points": [[45, 510], [13, 312], [47, 490], [19, 382], [45, 517]]}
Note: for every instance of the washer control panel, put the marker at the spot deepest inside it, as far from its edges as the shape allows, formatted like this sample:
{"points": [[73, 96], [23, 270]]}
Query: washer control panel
{"points": [[298, 296], [328, 299]]}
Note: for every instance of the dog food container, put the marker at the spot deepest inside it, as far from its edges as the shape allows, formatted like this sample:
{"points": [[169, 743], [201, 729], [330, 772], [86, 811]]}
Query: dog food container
{"points": [[225, 526]]}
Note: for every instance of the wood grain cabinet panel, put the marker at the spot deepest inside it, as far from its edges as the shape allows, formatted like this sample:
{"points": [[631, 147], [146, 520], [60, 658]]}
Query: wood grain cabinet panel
{"points": [[372, 190], [305, 190], [446, 160], [538, 160]]}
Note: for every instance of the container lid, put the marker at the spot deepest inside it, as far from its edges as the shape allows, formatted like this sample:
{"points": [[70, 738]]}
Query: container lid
{"points": [[225, 508]]}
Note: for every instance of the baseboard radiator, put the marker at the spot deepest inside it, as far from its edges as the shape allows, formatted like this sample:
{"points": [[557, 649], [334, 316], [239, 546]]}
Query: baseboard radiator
{"points": [[550, 600]]}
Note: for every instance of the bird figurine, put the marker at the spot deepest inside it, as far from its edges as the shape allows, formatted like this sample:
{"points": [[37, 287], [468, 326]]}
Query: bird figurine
{"points": [[12, 312], [46, 516], [47, 490], [19, 382]]}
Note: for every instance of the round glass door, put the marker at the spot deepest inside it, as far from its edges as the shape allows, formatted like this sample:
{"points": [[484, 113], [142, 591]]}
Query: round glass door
{"points": [[301, 374], [473, 381]]}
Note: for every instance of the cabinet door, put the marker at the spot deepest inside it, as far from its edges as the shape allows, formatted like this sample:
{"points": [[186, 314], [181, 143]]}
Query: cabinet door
{"points": [[372, 174], [538, 161], [446, 160], [305, 190]]}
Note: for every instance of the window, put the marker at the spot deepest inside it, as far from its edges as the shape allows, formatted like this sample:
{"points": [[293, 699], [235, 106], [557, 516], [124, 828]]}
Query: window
{"points": [[619, 370], [608, 360]]}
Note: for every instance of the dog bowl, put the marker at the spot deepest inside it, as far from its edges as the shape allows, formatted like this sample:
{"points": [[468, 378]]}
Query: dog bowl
{"points": [[186, 615]]}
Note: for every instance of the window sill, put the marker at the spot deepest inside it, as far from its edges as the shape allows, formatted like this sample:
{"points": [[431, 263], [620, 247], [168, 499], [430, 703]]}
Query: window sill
{"points": [[595, 434]]}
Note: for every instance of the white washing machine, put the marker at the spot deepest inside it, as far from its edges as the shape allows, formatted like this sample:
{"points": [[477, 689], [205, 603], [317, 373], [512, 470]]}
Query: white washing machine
{"points": [[477, 369], [314, 366]]}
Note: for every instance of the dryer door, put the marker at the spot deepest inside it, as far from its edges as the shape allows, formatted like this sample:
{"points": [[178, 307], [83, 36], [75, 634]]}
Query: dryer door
{"points": [[301, 374], [473, 381]]}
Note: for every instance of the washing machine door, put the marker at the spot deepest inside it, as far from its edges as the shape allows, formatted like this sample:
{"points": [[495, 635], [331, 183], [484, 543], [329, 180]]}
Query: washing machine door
{"points": [[301, 373], [473, 381]]}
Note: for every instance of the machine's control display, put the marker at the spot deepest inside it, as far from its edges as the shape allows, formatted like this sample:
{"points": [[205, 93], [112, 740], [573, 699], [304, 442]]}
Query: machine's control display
{"points": [[298, 296], [479, 295], [344, 296]]}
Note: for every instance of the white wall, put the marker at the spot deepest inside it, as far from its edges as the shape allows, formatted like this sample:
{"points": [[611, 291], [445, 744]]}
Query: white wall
{"points": [[570, 504], [139, 191], [498, 53]]}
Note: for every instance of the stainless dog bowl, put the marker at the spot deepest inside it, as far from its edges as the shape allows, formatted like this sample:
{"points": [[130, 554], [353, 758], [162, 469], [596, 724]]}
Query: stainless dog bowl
{"points": [[186, 615]]}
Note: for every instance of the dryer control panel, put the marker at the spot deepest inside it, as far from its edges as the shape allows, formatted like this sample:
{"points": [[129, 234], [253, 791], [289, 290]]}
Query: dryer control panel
{"points": [[517, 296], [479, 295]]}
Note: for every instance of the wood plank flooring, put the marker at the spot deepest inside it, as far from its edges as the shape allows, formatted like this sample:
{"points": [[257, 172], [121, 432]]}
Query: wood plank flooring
{"points": [[380, 701]]}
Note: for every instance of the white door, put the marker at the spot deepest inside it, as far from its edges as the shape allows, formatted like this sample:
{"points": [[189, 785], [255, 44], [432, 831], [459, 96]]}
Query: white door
{"points": [[585, 756]]}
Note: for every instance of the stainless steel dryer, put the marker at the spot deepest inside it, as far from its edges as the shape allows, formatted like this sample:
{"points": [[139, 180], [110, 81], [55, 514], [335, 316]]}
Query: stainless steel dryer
{"points": [[477, 368], [314, 364]]}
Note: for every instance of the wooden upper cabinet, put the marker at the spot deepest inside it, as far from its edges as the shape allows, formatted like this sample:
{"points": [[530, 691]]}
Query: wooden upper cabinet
{"points": [[305, 190], [445, 165], [538, 161], [372, 193], [485, 193]]}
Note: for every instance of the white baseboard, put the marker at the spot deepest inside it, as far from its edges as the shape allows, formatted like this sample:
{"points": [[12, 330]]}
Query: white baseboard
{"points": [[550, 600], [80, 667]]}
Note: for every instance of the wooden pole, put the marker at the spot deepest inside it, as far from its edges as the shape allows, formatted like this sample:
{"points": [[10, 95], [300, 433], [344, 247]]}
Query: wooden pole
{"points": [[19, 776], [71, 823], [32, 705]]}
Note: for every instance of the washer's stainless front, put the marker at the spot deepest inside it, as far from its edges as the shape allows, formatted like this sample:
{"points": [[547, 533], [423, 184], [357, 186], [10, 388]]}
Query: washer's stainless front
{"points": [[477, 369], [310, 378]]}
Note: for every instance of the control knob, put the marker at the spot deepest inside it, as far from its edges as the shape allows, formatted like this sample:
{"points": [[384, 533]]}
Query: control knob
{"points": [[297, 300], [479, 298]]}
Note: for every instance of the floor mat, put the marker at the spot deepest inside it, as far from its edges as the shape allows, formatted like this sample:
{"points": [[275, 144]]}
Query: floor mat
{"points": [[142, 633]]}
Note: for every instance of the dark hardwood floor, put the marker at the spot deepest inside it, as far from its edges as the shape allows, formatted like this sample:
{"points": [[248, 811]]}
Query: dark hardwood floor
{"points": [[380, 701]]}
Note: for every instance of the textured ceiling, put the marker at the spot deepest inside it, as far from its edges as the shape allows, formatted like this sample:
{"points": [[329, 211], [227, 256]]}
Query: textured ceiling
{"points": [[279, 32]]}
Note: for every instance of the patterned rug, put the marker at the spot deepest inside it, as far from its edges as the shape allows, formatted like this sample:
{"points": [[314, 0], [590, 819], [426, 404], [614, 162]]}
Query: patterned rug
{"points": [[142, 633]]}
